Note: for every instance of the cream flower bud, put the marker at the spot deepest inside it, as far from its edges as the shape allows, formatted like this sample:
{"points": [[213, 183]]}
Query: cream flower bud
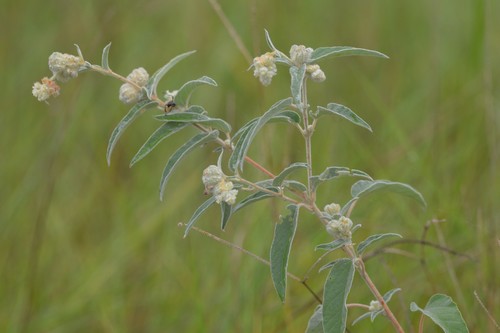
{"points": [[224, 191], [65, 66], [45, 89], [375, 306], [265, 68], [130, 93], [340, 229], [212, 176], [332, 209], [299, 54], [317, 75]]}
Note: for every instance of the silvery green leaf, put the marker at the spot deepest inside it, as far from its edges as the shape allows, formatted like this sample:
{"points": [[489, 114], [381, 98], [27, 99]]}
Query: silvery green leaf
{"points": [[444, 313], [225, 213], [184, 93], [364, 187], [373, 238], [363, 316], [163, 132], [297, 75], [80, 54], [348, 205], [388, 295], [133, 113], [105, 55], [284, 232], [204, 206], [288, 116], [337, 288], [342, 51], [194, 142], [259, 195], [344, 112], [241, 148], [195, 118], [335, 172], [295, 185], [336, 244], [278, 180], [153, 81], [315, 324]]}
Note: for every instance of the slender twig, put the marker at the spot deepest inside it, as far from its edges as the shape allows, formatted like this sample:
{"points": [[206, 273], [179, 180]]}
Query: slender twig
{"points": [[486, 310]]}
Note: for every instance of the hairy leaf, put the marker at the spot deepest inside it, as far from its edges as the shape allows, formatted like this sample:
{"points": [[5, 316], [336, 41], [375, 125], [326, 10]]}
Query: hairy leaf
{"points": [[338, 243], [444, 313], [163, 132], [297, 75], [181, 152], [105, 55], [241, 148], [337, 287], [284, 232], [364, 187], [342, 51], [195, 118], [132, 115], [278, 180], [203, 207], [335, 172], [344, 112], [259, 195], [373, 238], [315, 324], [153, 81], [225, 214], [184, 93]]}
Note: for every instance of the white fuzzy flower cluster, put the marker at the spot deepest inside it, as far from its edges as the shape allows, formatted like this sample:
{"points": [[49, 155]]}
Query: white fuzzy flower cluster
{"points": [[332, 209], [130, 93], [375, 306], [340, 229], [315, 73], [299, 54], [45, 89], [65, 66], [265, 68], [216, 184]]}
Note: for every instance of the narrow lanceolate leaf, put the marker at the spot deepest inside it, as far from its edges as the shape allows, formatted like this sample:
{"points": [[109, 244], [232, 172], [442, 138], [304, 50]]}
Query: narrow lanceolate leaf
{"points": [[153, 81], [105, 55], [286, 116], [373, 238], [364, 187], [342, 51], [315, 324], [195, 118], [338, 243], [203, 207], [257, 196], [444, 313], [280, 248], [181, 152], [297, 75], [134, 112], [183, 94], [241, 148], [225, 214], [278, 180], [163, 132], [335, 172], [342, 111], [337, 287]]}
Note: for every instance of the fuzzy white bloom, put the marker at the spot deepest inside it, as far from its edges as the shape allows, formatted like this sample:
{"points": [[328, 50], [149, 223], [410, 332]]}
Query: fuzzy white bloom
{"points": [[65, 66], [299, 54], [215, 183], [340, 229], [129, 93], [317, 75], [265, 68], [224, 191], [45, 89], [212, 176], [332, 209], [375, 306], [170, 95]]}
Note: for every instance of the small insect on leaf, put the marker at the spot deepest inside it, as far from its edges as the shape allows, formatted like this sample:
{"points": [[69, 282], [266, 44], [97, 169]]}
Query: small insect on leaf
{"points": [[169, 106]]}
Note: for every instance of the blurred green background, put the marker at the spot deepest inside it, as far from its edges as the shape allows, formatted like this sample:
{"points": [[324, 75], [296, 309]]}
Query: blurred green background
{"points": [[89, 248]]}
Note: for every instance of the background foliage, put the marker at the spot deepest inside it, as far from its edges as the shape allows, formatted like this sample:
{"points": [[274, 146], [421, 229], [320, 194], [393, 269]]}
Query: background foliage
{"points": [[86, 247]]}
